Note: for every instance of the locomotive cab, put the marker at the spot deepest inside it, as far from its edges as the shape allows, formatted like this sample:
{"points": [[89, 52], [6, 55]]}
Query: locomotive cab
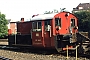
{"points": [[41, 33], [53, 31], [65, 30]]}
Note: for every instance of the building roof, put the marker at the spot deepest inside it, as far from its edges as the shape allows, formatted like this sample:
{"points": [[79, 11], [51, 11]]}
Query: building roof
{"points": [[82, 6], [43, 16]]}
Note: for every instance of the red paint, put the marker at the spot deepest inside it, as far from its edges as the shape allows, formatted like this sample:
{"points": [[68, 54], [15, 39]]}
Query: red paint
{"points": [[9, 31], [65, 21], [24, 27], [37, 39], [68, 48], [44, 38], [48, 41]]}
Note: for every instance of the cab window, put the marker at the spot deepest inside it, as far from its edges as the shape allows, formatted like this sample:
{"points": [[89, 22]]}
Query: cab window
{"points": [[58, 22], [47, 25], [72, 22], [37, 26]]}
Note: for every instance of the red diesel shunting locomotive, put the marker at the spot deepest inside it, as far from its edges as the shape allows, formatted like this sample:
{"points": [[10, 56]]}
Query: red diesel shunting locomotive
{"points": [[47, 31]]}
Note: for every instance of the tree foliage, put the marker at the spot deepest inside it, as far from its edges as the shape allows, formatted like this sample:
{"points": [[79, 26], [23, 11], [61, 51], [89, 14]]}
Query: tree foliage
{"points": [[3, 26], [83, 20]]}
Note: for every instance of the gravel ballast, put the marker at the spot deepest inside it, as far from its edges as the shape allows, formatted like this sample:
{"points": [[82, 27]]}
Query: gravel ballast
{"points": [[33, 56], [18, 55]]}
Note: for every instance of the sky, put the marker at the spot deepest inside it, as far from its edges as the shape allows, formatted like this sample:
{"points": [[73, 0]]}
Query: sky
{"points": [[16, 9]]}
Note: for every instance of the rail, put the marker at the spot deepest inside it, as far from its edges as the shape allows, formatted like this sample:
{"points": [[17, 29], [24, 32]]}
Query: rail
{"points": [[84, 36], [3, 58], [3, 40]]}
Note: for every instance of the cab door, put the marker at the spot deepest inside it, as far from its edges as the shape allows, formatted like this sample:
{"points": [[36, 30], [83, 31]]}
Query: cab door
{"points": [[47, 32], [73, 30], [73, 26], [37, 39]]}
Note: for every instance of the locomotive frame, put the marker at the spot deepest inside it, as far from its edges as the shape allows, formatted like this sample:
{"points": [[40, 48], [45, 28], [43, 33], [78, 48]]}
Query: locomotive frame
{"points": [[52, 31]]}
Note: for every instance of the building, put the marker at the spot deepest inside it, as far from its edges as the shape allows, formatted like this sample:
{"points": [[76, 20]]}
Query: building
{"points": [[12, 26], [82, 7]]}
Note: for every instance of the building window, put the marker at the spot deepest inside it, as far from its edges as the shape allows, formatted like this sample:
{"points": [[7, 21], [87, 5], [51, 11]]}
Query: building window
{"points": [[80, 7]]}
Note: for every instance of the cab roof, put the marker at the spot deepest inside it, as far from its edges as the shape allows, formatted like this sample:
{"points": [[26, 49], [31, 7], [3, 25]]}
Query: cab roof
{"points": [[43, 16]]}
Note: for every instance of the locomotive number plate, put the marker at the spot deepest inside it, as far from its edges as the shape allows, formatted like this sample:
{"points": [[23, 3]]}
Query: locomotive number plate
{"points": [[37, 34]]}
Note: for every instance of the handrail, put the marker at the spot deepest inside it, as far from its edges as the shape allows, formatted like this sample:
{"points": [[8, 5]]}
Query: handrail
{"points": [[50, 31], [42, 31]]}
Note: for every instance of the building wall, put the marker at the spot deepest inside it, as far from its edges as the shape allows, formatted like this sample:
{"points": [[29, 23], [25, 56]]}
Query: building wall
{"points": [[12, 28], [82, 7]]}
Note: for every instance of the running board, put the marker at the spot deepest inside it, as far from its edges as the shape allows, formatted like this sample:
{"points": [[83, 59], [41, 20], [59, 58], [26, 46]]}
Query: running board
{"points": [[83, 39]]}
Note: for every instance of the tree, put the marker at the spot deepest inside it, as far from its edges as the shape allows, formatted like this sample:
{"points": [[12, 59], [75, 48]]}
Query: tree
{"points": [[3, 26], [83, 20]]}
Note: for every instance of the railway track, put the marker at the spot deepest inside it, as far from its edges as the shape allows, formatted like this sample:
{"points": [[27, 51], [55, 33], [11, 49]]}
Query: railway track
{"points": [[3, 40], [3, 58], [38, 51], [41, 52]]}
